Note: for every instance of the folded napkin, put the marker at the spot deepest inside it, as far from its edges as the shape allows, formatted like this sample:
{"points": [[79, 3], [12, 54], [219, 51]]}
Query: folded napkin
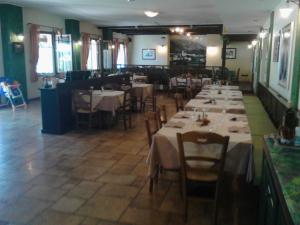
{"points": [[234, 103], [236, 111], [173, 124], [207, 102], [181, 116], [236, 129], [238, 118]]}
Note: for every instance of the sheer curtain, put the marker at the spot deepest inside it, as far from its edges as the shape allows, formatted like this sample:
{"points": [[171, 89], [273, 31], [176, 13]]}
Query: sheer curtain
{"points": [[116, 50], [34, 50], [85, 50]]}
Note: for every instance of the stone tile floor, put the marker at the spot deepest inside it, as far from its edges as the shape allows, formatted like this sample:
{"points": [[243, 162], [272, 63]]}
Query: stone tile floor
{"points": [[95, 178]]}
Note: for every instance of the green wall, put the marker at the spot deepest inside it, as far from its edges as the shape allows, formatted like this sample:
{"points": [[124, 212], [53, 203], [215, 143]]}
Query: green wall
{"points": [[73, 28], [11, 18]]}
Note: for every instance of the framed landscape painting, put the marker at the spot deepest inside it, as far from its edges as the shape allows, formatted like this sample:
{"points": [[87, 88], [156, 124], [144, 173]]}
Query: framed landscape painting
{"points": [[148, 54], [276, 47], [285, 55], [230, 53]]}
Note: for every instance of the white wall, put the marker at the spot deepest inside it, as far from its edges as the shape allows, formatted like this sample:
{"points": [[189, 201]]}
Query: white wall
{"points": [[140, 42], [41, 18], [214, 58], [279, 23], [1, 56], [86, 27], [243, 60]]}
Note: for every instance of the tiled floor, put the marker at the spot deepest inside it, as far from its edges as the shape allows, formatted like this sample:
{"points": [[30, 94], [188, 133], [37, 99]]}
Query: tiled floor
{"points": [[94, 178]]}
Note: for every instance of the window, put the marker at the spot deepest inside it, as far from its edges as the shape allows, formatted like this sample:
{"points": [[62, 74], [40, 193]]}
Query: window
{"points": [[93, 58], [54, 57], [45, 63], [63, 53], [121, 56]]}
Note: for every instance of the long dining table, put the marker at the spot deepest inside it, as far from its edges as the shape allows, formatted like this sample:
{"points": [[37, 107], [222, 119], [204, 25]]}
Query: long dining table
{"points": [[239, 159]]}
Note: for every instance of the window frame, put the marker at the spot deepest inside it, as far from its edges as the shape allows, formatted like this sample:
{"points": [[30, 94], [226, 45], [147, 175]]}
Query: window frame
{"points": [[53, 54], [98, 48]]}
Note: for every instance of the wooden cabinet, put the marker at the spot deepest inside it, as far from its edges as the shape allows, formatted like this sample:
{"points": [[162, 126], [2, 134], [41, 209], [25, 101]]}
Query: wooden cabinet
{"points": [[272, 204], [56, 109], [269, 206]]}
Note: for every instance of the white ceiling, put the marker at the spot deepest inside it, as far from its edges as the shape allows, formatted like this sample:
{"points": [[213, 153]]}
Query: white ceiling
{"points": [[238, 16]]}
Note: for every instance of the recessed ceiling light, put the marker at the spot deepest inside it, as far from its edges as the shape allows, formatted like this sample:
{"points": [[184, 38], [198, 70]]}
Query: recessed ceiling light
{"points": [[130, 0], [151, 13]]}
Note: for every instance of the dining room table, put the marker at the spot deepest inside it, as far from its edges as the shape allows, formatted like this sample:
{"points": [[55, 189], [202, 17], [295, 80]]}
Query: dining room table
{"points": [[107, 100], [190, 81], [215, 105], [220, 94], [145, 89], [239, 158], [220, 87]]}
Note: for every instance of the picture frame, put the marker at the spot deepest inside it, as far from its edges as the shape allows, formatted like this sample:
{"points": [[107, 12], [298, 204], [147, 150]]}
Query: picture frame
{"points": [[276, 47], [230, 53], [148, 54], [284, 55]]}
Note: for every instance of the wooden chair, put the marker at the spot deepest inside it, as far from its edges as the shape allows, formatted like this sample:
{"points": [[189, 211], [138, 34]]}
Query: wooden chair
{"points": [[181, 85], [83, 108], [125, 110], [162, 115], [191, 172], [235, 79], [152, 126], [179, 102], [149, 103], [137, 98]]}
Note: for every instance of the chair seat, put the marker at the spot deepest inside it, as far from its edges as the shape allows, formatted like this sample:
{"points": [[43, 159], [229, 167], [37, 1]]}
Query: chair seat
{"points": [[199, 174], [86, 111]]}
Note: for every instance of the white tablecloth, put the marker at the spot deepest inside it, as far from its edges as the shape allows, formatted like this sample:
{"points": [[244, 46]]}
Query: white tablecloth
{"points": [[189, 81], [229, 94], [147, 90], [108, 100], [222, 87], [239, 159], [206, 105]]}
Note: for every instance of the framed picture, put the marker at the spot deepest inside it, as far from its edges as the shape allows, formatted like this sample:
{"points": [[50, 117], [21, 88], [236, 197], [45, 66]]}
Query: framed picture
{"points": [[285, 55], [276, 47], [230, 53], [148, 54]]}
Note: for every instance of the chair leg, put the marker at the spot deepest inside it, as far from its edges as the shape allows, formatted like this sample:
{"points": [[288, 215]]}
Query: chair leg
{"points": [[151, 185], [90, 121], [185, 210], [124, 121], [130, 121]]}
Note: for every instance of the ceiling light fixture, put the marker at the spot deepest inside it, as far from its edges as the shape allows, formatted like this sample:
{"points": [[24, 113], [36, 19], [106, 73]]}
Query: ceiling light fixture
{"points": [[151, 13], [263, 34], [254, 42], [285, 12], [250, 46]]}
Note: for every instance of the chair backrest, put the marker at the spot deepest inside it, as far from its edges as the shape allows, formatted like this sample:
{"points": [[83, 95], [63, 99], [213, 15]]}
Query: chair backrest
{"points": [[127, 101], [125, 87], [202, 138], [181, 81], [238, 74], [150, 102], [162, 115], [152, 124], [179, 101], [111, 86], [82, 100]]}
